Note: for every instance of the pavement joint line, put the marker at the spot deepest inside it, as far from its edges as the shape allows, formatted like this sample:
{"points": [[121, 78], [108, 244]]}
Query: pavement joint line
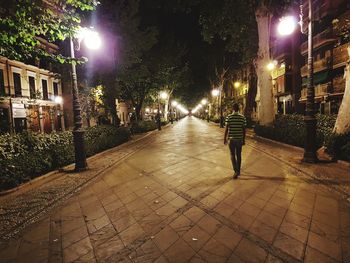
{"points": [[144, 238], [307, 176], [195, 201], [32, 218]]}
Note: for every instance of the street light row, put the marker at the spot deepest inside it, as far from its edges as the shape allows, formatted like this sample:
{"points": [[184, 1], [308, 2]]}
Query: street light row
{"points": [[200, 105]]}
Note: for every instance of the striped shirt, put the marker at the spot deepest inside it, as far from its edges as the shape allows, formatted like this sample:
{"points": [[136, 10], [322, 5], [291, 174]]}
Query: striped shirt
{"points": [[236, 123]]}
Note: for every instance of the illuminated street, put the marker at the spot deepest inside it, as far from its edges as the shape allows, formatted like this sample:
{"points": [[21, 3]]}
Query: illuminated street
{"points": [[173, 199]]}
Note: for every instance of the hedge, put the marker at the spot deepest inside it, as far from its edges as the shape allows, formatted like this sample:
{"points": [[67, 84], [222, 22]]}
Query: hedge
{"points": [[27, 155], [143, 126], [290, 129]]}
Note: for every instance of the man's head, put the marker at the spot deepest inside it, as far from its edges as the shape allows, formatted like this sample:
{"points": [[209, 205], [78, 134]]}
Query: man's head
{"points": [[236, 107]]}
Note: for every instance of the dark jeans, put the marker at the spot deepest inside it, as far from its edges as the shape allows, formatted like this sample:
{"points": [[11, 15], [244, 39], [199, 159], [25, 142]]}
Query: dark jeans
{"points": [[236, 155]]}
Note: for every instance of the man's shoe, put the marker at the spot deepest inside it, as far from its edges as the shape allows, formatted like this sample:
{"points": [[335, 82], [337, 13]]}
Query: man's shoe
{"points": [[235, 176]]}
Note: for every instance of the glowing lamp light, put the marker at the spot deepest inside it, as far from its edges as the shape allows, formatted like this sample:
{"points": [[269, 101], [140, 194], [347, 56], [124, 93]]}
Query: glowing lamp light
{"points": [[237, 84], [163, 95], [272, 65], [90, 37], [287, 25], [174, 103], [155, 111], [215, 92], [58, 99], [204, 101], [147, 110]]}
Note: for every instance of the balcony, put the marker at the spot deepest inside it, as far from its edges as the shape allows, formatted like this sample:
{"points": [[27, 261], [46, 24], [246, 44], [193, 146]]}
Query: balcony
{"points": [[321, 39], [340, 56], [321, 90], [339, 84], [343, 22], [319, 65]]}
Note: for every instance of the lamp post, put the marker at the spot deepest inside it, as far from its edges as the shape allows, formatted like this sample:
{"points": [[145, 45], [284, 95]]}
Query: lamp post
{"points": [[161, 95], [92, 41], [215, 94], [286, 27], [173, 111]]}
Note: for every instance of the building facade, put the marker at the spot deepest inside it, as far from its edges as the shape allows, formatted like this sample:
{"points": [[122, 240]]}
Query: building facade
{"points": [[30, 98], [330, 54]]}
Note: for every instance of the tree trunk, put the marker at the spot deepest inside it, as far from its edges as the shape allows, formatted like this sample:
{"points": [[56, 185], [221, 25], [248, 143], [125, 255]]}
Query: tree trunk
{"points": [[342, 124], [250, 103], [264, 97]]}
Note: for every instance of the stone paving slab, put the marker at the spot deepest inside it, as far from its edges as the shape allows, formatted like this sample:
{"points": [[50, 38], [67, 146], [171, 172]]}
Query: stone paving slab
{"points": [[26, 205], [175, 201]]}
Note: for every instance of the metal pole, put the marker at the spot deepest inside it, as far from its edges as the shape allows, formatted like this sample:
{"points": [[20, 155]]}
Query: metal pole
{"points": [[78, 131], [158, 115], [309, 118], [221, 114]]}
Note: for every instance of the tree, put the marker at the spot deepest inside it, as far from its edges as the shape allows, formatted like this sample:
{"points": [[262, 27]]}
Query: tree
{"points": [[342, 124], [24, 22], [135, 84], [249, 26], [122, 19]]}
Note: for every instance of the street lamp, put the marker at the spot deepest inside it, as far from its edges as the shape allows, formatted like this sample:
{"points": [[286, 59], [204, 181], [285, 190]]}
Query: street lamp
{"points": [[215, 92], [161, 95], [218, 93], [272, 65], [58, 99], [91, 40], [237, 84], [286, 27]]}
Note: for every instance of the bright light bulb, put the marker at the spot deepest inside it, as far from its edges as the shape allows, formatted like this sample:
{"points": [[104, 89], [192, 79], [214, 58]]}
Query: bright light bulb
{"points": [[237, 84], [163, 95], [215, 92], [287, 25], [204, 101], [174, 103], [272, 65], [58, 99], [90, 37]]}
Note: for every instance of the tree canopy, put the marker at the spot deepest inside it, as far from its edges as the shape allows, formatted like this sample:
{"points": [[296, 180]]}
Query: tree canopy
{"points": [[23, 22]]}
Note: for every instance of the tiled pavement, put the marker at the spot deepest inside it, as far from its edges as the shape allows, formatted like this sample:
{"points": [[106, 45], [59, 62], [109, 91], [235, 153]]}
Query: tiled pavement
{"points": [[175, 201]]}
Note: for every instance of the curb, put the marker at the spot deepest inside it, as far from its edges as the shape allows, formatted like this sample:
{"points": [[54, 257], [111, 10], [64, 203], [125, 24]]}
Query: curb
{"points": [[276, 142], [345, 164], [48, 177], [342, 163]]}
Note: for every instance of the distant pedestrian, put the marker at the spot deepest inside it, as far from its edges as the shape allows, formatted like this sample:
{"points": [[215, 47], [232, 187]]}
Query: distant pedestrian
{"points": [[235, 136]]}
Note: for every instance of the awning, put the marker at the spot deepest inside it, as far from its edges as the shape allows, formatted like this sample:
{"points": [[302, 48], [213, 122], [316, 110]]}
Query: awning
{"points": [[319, 77]]}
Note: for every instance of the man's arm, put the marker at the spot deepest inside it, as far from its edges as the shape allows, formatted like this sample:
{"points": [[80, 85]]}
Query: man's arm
{"points": [[244, 128], [226, 132]]}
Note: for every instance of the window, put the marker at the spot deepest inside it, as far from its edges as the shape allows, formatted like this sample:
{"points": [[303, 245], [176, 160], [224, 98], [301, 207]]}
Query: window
{"points": [[32, 87], [45, 92], [55, 89], [2, 84], [17, 84]]}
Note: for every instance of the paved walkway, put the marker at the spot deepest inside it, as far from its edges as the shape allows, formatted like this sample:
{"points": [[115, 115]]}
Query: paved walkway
{"points": [[173, 200]]}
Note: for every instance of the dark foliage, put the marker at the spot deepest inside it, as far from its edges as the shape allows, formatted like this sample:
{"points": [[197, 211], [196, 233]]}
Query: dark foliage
{"points": [[28, 155], [143, 126], [290, 129]]}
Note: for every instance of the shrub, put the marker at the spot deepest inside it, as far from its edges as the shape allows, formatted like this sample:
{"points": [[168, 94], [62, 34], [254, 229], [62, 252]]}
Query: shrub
{"points": [[215, 120], [290, 129], [28, 155], [144, 126], [339, 146]]}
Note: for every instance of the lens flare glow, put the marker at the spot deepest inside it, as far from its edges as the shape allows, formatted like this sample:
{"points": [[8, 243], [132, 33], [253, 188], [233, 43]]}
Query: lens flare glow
{"points": [[287, 25]]}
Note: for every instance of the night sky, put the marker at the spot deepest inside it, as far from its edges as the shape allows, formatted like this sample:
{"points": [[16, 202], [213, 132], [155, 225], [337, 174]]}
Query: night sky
{"points": [[175, 28]]}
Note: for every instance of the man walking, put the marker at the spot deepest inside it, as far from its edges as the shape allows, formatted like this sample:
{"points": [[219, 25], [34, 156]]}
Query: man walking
{"points": [[235, 134]]}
